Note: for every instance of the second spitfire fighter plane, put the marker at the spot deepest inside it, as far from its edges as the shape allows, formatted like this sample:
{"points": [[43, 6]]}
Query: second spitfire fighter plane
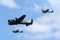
{"points": [[47, 11], [17, 31], [19, 21]]}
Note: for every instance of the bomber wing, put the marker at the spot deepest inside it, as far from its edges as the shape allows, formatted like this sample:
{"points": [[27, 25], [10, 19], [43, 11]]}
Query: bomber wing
{"points": [[21, 18]]}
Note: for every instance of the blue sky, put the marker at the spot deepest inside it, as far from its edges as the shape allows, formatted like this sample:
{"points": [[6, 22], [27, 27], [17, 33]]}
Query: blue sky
{"points": [[45, 26]]}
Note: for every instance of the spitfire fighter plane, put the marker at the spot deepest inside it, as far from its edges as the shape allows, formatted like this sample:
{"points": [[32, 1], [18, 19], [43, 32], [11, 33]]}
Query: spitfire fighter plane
{"points": [[19, 21], [47, 11], [17, 31]]}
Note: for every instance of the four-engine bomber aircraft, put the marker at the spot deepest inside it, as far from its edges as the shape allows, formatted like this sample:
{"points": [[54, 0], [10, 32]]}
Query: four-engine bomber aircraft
{"points": [[19, 21], [47, 11], [17, 31]]}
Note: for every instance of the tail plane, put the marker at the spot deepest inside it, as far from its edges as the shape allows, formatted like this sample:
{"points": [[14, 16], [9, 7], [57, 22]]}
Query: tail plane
{"points": [[30, 23]]}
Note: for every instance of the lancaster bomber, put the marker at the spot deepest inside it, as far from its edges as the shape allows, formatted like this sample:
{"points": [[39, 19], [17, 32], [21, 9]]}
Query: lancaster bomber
{"points": [[19, 21], [17, 31], [47, 11]]}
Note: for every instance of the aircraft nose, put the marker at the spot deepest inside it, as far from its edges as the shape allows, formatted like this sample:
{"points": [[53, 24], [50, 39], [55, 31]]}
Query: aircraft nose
{"points": [[8, 20]]}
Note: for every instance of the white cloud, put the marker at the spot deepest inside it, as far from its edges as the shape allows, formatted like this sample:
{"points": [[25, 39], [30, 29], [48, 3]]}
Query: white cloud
{"points": [[9, 3], [36, 27], [54, 2]]}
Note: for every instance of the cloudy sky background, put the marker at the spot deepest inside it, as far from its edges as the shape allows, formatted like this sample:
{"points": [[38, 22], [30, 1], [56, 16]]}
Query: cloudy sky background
{"points": [[45, 26]]}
